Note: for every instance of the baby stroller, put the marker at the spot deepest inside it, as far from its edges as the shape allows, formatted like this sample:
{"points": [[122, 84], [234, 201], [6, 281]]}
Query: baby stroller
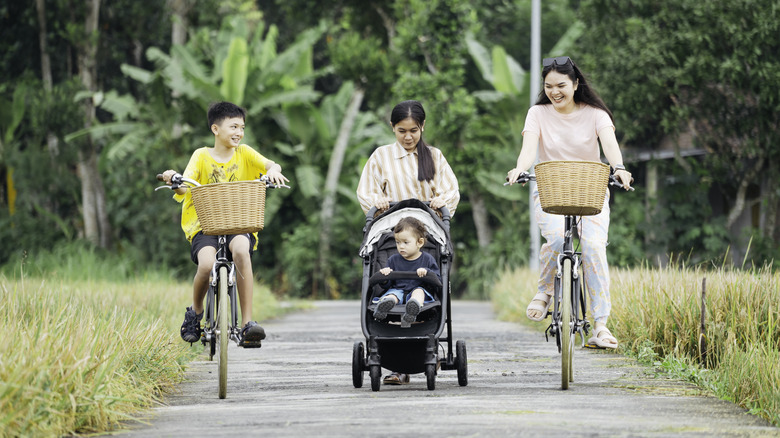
{"points": [[416, 349]]}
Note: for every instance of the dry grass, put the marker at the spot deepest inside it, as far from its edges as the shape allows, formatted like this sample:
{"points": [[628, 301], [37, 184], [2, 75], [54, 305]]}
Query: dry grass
{"points": [[80, 357], [661, 308]]}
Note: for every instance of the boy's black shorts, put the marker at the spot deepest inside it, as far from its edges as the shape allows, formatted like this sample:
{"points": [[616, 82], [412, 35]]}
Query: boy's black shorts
{"points": [[201, 240]]}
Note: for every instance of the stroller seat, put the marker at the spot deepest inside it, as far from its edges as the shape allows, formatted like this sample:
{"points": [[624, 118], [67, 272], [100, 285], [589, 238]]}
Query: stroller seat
{"points": [[385, 247]]}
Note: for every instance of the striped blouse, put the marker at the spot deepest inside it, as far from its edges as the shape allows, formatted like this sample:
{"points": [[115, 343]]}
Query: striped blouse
{"points": [[391, 172]]}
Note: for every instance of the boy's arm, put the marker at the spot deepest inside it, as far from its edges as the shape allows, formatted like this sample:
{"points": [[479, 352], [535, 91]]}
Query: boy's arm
{"points": [[274, 172]]}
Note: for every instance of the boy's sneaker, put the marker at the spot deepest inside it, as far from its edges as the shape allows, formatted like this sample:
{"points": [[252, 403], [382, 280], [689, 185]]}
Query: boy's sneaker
{"points": [[412, 310], [385, 305], [251, 335], [190, 329]]}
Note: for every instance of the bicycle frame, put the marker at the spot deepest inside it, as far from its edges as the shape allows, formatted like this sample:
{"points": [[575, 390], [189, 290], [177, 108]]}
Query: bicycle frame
{"points": [[211, 295], [578, 300]]}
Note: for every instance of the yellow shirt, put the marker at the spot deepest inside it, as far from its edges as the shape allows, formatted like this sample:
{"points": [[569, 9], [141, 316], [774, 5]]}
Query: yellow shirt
{"points": [[246, 164]]}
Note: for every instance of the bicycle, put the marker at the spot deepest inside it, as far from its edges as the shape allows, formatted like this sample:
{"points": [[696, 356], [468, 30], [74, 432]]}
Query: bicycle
{"points": [[557, 197], [221, 321]]}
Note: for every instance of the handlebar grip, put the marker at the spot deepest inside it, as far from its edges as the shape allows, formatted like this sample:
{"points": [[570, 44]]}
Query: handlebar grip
{"points": [[160, 177]]}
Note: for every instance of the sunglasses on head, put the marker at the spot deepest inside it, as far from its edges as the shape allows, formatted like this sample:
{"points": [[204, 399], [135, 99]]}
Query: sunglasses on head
{"points": [[559, 60]]}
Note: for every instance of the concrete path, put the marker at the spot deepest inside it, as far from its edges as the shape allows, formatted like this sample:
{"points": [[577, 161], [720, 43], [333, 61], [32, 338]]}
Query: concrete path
{"points": [[299, 384]]}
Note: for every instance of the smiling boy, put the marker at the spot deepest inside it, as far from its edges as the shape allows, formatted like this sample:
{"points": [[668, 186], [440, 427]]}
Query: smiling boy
{"points": [[228, 160]]}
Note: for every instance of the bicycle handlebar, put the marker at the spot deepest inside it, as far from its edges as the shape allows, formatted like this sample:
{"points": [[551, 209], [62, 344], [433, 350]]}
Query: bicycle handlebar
{"points": [[178, 181], [525, 177]]}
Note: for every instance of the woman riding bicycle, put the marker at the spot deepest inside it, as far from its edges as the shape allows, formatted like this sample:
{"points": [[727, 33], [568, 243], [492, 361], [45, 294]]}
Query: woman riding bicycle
{"points": [[567, 122]]}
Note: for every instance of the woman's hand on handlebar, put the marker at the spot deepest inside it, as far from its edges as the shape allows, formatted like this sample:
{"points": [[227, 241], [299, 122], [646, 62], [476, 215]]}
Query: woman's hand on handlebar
{"points": [[437, 203], [625, 178], [513, 175], [382, 203]]}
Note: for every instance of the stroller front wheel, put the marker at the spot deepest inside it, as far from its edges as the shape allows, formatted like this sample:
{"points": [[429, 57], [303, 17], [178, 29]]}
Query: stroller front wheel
{"points": [[375, 373]]}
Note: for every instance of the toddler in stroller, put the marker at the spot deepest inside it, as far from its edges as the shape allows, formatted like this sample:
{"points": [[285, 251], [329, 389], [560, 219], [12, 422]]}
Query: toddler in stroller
{"points": [[404, 336], [409, 236]]}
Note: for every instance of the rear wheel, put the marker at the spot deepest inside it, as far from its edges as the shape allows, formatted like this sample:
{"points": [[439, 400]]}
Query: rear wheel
{"points": [[375, 372], [430, 374], [460, 357], [223, 331], [566, 330], [357, 364]]}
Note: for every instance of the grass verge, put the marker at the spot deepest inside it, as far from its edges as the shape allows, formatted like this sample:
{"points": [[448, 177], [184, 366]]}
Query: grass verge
{"points": [[656, 316], [84, 354]]}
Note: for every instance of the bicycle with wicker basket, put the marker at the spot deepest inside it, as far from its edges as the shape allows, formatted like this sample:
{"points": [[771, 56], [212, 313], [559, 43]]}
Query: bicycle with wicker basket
{"points": [[223, 209], [572, 189]]}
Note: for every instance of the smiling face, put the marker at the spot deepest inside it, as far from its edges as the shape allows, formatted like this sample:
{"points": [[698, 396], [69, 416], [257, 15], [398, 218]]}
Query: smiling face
{"points": [[560, 89], [408, 244], [229, 132], [407, 133]]}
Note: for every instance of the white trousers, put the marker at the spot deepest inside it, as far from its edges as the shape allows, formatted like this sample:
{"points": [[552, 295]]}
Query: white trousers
{"points": [[593, 232]]}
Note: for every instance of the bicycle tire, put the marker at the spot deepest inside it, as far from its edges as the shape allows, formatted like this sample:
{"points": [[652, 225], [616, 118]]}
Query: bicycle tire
{"points": [[565, 331], [223, 330]]}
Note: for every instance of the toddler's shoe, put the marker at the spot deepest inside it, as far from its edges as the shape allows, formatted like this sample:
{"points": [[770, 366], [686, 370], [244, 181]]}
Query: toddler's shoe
{"points": [[190, 329], [385, 305], [251, 335], [412, 310]]}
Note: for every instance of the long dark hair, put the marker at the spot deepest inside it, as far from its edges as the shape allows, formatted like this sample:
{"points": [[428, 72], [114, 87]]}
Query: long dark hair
{"points": [[584, 92], [413, 109]]}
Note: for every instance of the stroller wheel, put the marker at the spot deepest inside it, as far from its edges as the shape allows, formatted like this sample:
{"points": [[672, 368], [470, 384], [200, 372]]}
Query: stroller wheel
{"points": [[376, 377], [460, 351], [357, 364], [430, 374]]}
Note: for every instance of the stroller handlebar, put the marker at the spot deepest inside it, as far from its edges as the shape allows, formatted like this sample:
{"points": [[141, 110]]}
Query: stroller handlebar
{"points": [[379, 277]]}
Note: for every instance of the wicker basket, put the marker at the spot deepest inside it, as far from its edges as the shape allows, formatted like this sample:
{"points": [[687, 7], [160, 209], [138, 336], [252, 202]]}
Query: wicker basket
{"points": [[235, 207], [575, 188]]}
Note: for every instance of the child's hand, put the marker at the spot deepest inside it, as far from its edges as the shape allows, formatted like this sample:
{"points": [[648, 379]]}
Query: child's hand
{"points": [[167, 175], [421, 272], [275, 176], [386, 271]]}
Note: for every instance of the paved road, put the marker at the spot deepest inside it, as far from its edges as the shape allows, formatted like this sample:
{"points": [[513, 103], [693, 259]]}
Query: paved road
{"points": [[299, 384]]}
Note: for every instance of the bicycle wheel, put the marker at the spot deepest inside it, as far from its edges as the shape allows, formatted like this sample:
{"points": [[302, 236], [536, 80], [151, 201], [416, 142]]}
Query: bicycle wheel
{"points": [[223, 330], [565, 332]]}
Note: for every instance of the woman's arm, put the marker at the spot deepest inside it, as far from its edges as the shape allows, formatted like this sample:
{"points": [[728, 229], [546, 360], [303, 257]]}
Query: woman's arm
{"points": [[527, 156], [609, 145], [370, 192], [446, 186]]}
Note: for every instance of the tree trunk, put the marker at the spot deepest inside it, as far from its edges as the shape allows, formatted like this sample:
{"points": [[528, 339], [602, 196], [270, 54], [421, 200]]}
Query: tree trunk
{"points": [[740, 200], [96, 226], [481, 223], [51, 140], [332, 181], [179, 26]]}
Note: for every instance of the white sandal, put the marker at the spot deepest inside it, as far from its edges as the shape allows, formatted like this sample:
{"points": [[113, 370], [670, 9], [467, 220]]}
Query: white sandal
{"points": [[540, 296], [607, 341]]}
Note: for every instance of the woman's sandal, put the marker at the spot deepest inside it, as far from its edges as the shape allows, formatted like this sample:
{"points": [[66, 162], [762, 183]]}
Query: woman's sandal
{"points": [[396, 379], [606, 341], [543, 297]]}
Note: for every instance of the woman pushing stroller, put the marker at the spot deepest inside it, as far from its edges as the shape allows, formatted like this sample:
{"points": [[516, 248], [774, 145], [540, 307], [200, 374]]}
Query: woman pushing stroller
{"points": [[407, 169]]}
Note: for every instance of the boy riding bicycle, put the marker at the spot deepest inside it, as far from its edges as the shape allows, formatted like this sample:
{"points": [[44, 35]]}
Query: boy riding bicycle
{"points": [[228, 160]]}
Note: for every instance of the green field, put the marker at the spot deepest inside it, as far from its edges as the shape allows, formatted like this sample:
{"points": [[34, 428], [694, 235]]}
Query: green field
{"points": [[656, 316]]}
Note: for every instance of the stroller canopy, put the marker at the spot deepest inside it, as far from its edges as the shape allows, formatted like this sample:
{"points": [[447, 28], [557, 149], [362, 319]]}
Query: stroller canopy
{"points": [[407, 208]]}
